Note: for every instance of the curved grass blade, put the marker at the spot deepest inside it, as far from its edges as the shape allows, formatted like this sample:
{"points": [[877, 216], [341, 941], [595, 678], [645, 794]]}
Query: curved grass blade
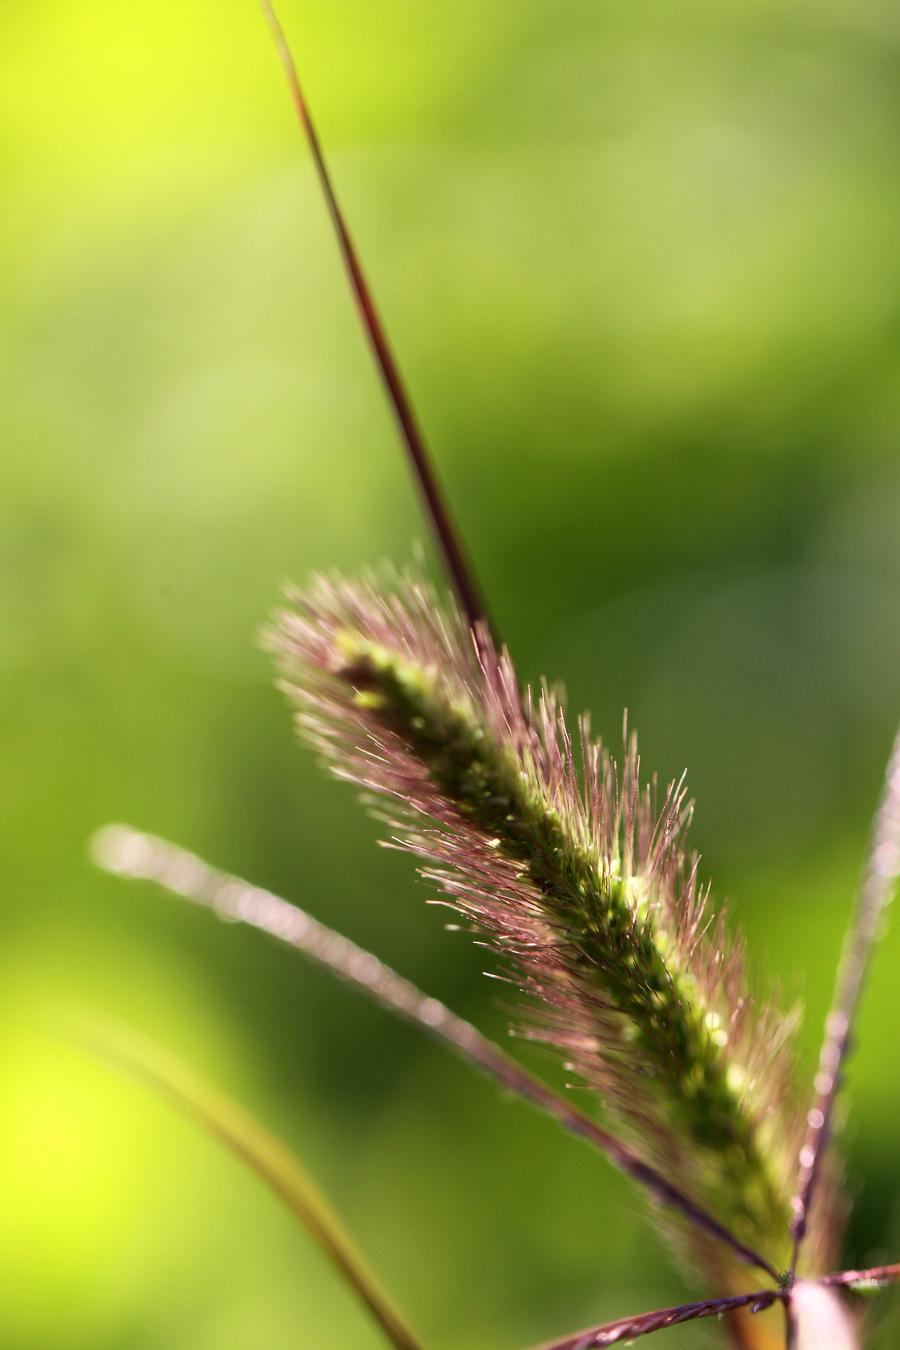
{"points": [[875, 893], [445, 530], [127, 852], [254, 1145]]}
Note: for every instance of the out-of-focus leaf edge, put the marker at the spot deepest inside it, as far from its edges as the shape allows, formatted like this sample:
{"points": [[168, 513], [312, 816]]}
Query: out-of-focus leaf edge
{"points": [[252, 1143]]}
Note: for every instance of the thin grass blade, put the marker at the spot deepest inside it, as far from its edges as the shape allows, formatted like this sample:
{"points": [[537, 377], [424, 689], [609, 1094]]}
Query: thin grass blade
{"points": [[254, 1145], [875, 892], [437, 509], [127, 852]]}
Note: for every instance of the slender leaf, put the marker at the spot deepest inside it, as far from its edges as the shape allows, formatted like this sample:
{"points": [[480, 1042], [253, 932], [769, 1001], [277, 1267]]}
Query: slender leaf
{"points": [[434, 498], [875, 893], [265, 1154]]}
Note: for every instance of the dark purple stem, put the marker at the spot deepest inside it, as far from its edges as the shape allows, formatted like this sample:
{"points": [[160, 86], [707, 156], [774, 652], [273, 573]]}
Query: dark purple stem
{"points": [[629, 1328], [879, 875], [127, 852], [444, 528]]}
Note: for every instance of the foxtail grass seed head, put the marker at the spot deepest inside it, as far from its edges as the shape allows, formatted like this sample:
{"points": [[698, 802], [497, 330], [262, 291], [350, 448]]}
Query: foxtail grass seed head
{"points": [[582, 885]]}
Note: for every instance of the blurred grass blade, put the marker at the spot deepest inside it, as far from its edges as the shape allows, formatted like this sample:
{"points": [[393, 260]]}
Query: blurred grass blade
{"points": [[866, 926], [250, 1141], [872, 1281]]}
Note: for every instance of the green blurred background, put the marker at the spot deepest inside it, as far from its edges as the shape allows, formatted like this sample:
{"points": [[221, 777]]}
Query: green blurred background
{"points": [[640, 261]]}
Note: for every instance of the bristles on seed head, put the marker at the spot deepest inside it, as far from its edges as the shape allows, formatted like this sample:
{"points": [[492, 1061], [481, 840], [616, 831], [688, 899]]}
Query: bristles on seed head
{"points": [[582, 885]]}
